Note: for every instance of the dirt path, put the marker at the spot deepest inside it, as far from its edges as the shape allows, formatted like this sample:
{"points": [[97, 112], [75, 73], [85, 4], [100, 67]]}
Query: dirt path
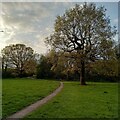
{"points": [[22, 113]]}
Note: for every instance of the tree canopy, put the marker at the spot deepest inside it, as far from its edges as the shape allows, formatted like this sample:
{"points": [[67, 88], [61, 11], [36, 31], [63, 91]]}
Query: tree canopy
{"points": [[85, 33], [18, 56]]}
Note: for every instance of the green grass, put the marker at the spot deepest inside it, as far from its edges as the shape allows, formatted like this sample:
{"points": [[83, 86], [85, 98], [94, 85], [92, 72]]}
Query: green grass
{"points": [[96, 100], [18, 93], [0, 98]]}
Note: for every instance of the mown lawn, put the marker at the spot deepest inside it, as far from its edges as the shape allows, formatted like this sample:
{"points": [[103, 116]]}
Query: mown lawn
{"points": [[0, 98], [18, 93], [96, 100]]}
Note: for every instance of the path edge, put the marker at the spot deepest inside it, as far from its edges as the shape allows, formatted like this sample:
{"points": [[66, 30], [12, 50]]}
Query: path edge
{"points": [[27, 110]]}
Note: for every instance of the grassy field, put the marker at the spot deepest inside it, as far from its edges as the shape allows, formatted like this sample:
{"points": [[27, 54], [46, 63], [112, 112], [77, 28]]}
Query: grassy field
{"points": [[0, 98], [18, 93], [96, 100]]}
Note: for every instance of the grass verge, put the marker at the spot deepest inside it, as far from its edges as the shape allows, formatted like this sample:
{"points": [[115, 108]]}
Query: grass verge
{"points": [[96, 100], [19, 93]]}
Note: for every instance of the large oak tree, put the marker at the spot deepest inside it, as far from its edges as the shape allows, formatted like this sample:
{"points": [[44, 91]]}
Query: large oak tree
{"points": [[86, 33]]}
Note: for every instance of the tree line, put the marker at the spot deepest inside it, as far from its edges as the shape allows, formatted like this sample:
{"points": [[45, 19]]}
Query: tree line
{"points": [[82, 45], [21, 61]]}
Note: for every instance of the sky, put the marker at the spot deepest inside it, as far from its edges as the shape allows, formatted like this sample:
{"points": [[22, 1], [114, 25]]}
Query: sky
{"points": [[30, 23]]}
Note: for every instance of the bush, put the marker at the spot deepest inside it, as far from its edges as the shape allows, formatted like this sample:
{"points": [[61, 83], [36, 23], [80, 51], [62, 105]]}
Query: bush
{"points": [[8, 74]]}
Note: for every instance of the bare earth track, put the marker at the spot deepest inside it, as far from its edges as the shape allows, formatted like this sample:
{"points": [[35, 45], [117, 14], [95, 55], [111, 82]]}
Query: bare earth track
{"points": [[22, 113]]}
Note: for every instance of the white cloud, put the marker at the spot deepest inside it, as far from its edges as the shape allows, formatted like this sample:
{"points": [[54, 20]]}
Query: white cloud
{"points": [[22, 22], [30, 23]]}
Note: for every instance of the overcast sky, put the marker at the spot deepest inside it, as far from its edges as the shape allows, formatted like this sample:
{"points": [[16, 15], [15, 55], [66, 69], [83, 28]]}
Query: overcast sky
{"points": [[30, 23]]}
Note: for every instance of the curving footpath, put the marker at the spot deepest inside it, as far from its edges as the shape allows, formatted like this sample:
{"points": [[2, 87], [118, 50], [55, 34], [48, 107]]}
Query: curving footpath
{"points": [[22, 113]]}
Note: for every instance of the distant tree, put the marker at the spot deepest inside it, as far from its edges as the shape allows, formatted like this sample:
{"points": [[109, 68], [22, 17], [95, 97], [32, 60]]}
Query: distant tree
{"points": [[106, 67], [44, 68], [30, 67], [62, 66], [17, 56], [85, 33], [5, 62], [117, 51]]}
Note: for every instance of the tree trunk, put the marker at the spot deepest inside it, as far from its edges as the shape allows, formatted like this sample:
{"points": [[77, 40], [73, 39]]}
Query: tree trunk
{"points": [[82, 73], [21, 73], [6, 67], [2, 67]]}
